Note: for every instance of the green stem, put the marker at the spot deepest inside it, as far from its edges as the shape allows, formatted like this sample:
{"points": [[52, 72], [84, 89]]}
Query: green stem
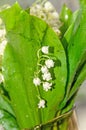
{"points": [[55, 127], [64, 124]]}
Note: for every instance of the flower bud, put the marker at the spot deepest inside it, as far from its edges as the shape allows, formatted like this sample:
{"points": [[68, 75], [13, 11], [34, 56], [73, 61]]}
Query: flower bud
{"points": [[45, 49], [44, 69], [47, 76], [49, 63], [37, 81], [47, 86], [41, 104]]}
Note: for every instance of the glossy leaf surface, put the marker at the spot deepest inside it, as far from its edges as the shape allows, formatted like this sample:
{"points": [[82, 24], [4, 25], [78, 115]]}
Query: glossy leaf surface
{"points": [[26, 35]]}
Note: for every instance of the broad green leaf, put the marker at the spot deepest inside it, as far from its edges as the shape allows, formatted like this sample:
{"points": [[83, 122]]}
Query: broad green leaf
{"points": [[26, 34], [60, 72], [74, 24], [79, 81], [24, 107], [77, 47], [8, 121], [76, 51], [67, 36], [67, 40], [70, 104]]}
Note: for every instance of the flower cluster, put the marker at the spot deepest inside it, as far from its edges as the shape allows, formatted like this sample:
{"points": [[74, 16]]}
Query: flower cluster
{"points": [[46, 11], [46, 77], [3, 40], [3, 43]]}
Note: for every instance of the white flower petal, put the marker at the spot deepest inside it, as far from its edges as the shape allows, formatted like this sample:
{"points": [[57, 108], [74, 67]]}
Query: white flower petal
{"points": [[47, 76], [48, 6], [41, 104], [49, 63], [36, 81], [47, 86], [45, 49], [55, 15], [44, 69], [38, 6], [2, 46], [1, 78]]}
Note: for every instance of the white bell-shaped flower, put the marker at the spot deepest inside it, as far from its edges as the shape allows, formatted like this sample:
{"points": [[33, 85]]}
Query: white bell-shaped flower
{"points": [[47, 86], [2, 46], [45, 49], [36, 81], [48, 6], [41, 103], [1, 78], [49, 63], [44, 69], [55, 15], [47, 76]]}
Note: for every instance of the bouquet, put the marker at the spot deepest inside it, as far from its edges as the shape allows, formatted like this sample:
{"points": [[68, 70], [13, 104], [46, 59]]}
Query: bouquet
{"points": [[42, 65]]}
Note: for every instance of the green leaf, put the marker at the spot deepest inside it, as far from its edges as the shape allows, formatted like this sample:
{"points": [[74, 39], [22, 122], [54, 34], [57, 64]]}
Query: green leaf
{"points": [[79, 81], [7, 121], [70, 104], [60, 72], [65, 17], [5, 105], [77, 47], [76, 52], [67, 36], [26, 35]]}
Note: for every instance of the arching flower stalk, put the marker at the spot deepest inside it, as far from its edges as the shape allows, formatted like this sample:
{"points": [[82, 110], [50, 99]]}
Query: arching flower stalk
{"points": [[44, 64]]}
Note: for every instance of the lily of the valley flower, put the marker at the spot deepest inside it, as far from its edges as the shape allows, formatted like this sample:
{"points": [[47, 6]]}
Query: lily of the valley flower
{"points": [[1, 78], [45, 49], [44, 69], [41, 103], [2, 46], [36, 81], [49, 63], [47, 86], [48, 6], [44, 63], [47, 76], [55, 15], [46, 11]]}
